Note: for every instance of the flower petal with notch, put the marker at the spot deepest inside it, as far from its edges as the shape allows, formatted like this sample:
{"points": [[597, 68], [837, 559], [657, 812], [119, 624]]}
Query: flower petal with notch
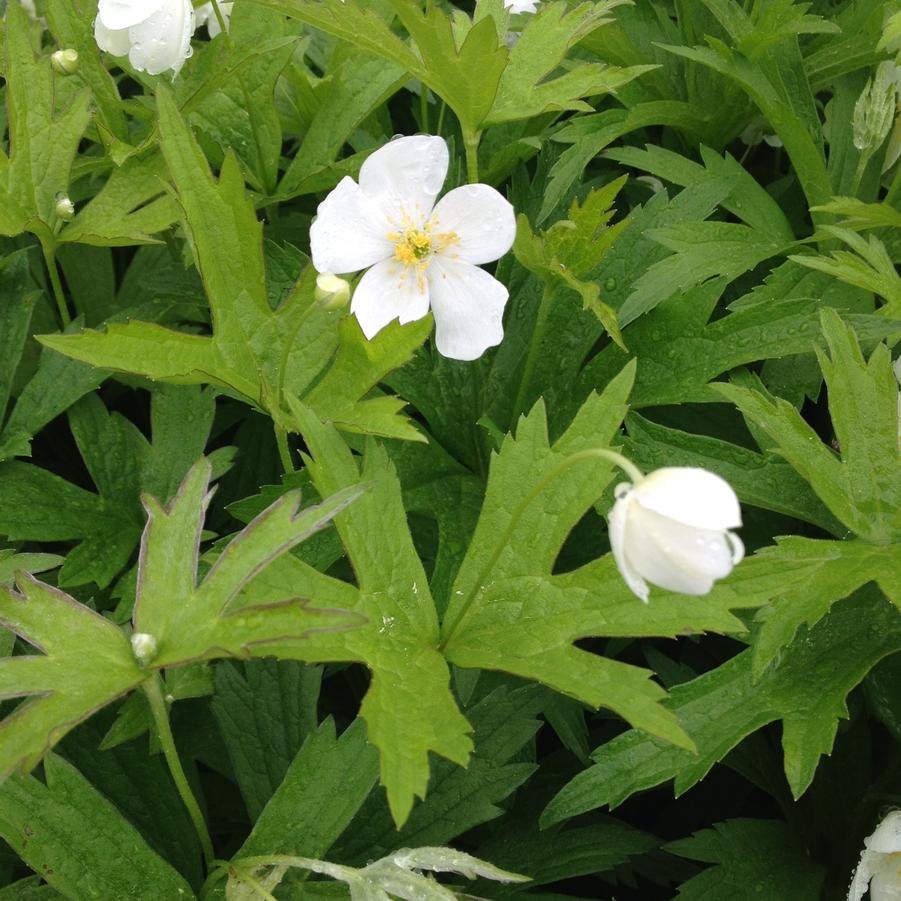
{"points": [[419, 254]]}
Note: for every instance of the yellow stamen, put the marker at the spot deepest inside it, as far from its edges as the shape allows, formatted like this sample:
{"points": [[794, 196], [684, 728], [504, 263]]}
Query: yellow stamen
{"points": [[416, 247]]}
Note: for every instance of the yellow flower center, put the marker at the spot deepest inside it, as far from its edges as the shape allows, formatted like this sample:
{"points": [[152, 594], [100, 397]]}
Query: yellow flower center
{"points": [[416, 246]]}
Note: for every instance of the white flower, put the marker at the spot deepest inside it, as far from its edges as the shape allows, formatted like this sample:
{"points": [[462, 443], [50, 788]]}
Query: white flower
{"points": [[155, 34], [521, 6], [670, 529], [880, 863], [419, 254], [206, 15]]}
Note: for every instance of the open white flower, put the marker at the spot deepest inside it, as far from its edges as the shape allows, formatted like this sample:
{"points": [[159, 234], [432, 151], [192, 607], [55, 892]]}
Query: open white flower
{"points": [[521, 6], [669, 528], [880, 863], [418, 254], [206, 15], [154, 34]]}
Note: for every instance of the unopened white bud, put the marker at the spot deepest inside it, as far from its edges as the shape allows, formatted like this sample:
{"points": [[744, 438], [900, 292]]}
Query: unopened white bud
{"points": [[65, 61], [65, 209], [331, 291], [144, 646]]}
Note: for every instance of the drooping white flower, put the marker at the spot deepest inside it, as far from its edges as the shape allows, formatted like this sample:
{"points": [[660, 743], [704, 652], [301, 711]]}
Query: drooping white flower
{"points": [[154, 34], [879, 867], [419, 255], [522, 6], [206, 15], [670, 528]]}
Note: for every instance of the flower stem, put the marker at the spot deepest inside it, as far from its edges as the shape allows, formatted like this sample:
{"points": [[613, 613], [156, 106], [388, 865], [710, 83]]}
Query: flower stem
{"points": [[532, 355], [471, 142], [284, 452], [467, 606], [53, 272], [220, 18], [153, 691]]}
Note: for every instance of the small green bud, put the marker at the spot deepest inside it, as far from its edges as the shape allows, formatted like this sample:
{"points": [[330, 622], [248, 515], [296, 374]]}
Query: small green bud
{"points": [[874, 111], [331, 291], [65, 209], [65, 61]]}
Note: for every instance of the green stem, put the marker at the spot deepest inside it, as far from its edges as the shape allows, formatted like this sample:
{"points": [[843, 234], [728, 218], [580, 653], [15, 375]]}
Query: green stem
{"points": [[220, 19], [466, 607], [532, 355], [284, 452], [53, 272], [471, 142], [423, 108], [859, 171], [153, 691], [441, 110], [895, 186]]}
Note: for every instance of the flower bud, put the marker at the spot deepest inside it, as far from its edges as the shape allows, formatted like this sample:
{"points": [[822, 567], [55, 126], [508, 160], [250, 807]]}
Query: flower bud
{"points": [[65, 61], [874, 111], [144, 646], [65, 209], [670, 529], [331, 291]]}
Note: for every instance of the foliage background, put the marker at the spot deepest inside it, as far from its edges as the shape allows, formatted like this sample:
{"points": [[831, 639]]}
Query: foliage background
{"points": [[443, 653]]}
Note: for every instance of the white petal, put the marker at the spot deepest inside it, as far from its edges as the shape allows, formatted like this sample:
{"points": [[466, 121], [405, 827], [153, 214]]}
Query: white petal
{"points": [[389, 291], [886, 838], [521, 6], [675, 556], [350, 231], [862, 876], [468, 305], [117, 42], [690, 495], [482, 219], [116, 14], [886, 884], [206, 15], [616, 526], [163, 41], [408, 174]]}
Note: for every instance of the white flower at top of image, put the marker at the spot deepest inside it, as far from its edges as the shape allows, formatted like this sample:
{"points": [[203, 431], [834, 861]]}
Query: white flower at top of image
{"points": [[154, 34], [879, 868], [419, 254], [522, 6], [206, 15], [670, 528]]}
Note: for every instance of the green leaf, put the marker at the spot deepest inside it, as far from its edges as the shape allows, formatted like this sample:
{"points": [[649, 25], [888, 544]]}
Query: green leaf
{"points": [[701, 251], [832, 570], [129, 209], [185, 621], [869, 266], [264, 717], [458, 799], [409, 709], [79, 842], [527, 86], [566, 853], [570, 249], [806, 691], [505, 585], [748, 200], [679, 352], [15, 318], [43, 141], [261, 353], [321, 792], [11, 563], [356, 87], [752, 859], [38, 505], [863, 486]]}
